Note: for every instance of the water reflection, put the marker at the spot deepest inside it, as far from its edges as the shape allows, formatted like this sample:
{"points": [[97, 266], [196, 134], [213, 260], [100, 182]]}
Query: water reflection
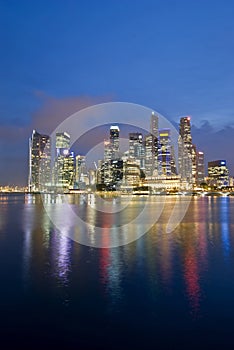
{"points": [[84, 220], [61, 256], [41, 238], [165, 262], [3, 212], [224, 210]]}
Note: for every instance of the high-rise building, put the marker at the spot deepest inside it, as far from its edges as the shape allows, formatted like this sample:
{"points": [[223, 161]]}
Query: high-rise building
{"points": [[194, 164], [136, 149], [110, 169], [92, 177], [82, 176], [151, 148], [154, 124], [185, 151], [166, 164], [62, 143], [131, 173], [39, 162], [108, 151], [116, 173], [114, 141], [110, 174], [200, 168], [64, 171], [64, 167], [218, 173]]}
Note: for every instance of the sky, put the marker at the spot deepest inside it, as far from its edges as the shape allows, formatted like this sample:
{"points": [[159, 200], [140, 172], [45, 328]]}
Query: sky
{"points": [[57, 57]]}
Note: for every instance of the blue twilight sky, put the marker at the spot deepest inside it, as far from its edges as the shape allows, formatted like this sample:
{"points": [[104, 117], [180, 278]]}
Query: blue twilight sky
{"points": [[173, 56]]}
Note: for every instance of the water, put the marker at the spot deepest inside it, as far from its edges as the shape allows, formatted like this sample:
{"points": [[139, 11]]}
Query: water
{"points": [[162, 291]]}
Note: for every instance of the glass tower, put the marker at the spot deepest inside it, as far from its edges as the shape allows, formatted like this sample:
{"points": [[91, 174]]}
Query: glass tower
{"points": [[185, 160], [39, 162]]}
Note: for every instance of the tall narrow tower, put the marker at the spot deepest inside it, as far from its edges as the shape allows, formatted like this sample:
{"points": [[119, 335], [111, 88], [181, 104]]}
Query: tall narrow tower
{"points": [[114, 141], [64, 167], [154, 125], [136, 148], [151, 147], [185, 150], [39, 162]]}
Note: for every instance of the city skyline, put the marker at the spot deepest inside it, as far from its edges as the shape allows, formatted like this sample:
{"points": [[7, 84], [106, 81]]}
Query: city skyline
{"points": [[82, 154], [148, 163], [153, 53]]}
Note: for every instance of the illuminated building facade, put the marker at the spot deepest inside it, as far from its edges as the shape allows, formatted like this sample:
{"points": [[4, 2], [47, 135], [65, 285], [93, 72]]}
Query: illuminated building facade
{"points": [[110, 170], [62, 142], [200, 168], [82, 176], [110, 174], [64, 167], [151, 155], [218, 174], [131, 174], [194, 164], [114, 141], [136, 149], [151, 148], [166, 161], [185, 161], [161, 183], [39, 162]]}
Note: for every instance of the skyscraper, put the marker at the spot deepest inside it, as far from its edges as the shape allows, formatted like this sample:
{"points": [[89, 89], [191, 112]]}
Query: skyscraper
{"points": [[194, 164], [200, 169], [151, 148], [114, 141], [166, 164], [64, 167], [185, 150], [62, 143], [154, 124], [218, 174], [82, 177], [110, 169], [136, 149], [39, 162]]}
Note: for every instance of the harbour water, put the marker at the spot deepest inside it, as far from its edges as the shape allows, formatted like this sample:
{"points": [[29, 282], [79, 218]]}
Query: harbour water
{"points": [[164, 290]]}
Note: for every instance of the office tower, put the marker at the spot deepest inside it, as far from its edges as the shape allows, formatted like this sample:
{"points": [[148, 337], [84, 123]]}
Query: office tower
{"points": [[64, 171], [108, 151], [194, 164], [185, 150], [39, 162], [173, 161], [200, 168], [64, 167], [218, 174], [165, 153], [62, 143], [82, 176], [92, 177], [151, 148], [136, 149], [110, 169], [154, 124], [100, 175], [114, 141], [109, 174], [116, 173], [131, 174]]}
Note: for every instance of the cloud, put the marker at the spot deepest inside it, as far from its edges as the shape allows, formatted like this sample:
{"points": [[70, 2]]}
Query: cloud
{"points": [[216, 144], [14, 138], [54, 110]]}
